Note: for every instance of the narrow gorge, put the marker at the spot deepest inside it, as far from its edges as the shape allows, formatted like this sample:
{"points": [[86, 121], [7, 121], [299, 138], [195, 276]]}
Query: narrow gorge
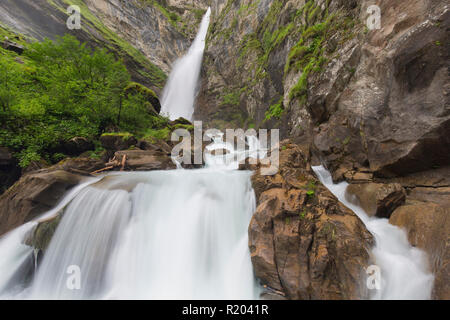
{"points": [[116, 162]]}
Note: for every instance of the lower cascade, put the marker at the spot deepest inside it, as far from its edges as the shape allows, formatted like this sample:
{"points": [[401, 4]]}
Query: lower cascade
{"points": [[155, 235], [403, 268]]}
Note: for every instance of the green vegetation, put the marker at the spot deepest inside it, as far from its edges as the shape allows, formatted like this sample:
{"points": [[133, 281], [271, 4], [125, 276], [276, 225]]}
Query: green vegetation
{"points": [[311, 189], [275, 110], [61, 89]]}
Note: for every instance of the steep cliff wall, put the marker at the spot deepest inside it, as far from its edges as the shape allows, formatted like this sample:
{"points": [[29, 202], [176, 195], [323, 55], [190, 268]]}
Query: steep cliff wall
{"points": [[372, 99]]}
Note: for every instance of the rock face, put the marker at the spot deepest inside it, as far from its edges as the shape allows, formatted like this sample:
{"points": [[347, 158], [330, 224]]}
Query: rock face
{"points": [[77, 146], [378, 199], [367, 100], [304, 244], [32, 195], [394, 114], [146, 27]]}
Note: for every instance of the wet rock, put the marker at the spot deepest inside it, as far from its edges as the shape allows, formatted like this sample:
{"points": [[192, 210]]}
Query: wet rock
{"points": [[155, 145], [303, 242], [42, 234], [32, 195], [377, 199], [144, 160]]}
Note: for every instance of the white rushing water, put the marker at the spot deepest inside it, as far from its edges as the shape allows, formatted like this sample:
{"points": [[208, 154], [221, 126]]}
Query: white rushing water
{"points": [[179, 234], [179, 93], [404, 270]]}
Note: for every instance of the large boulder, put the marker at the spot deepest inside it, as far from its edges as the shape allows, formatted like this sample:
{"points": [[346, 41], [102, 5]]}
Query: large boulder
{"points": [[377, 199], [304, 244], [40, 237], [144, 160], [32, 195], [117, 141], [80, 165], [77, 146]]}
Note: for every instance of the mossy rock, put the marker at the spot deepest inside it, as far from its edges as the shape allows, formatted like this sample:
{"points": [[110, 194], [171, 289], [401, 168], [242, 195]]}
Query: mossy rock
{"points": [[43, 233], [148, 94], [116, 141]]}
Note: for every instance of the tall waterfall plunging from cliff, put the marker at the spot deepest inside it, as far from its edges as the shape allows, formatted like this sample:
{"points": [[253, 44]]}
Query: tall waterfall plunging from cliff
{"points": [[179, 93], [403, 268]]}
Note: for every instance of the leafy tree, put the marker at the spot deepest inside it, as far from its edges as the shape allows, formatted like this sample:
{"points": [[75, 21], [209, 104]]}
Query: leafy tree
{"points": [[65, 89]]}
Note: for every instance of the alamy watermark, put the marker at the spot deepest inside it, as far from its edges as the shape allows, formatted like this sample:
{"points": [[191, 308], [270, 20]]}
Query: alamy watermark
{"points": [[74, 20], [73, 281], [374, 19], [374, 277]]}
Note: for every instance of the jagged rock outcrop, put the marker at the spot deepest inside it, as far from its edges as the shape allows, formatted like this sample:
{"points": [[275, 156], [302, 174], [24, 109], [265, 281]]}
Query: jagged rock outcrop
{"points": [[147, 27], [304, 244]]}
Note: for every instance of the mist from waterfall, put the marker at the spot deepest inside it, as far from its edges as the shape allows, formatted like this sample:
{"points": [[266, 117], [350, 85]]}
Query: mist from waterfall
{"points": [[404, 269], [179, 93]]}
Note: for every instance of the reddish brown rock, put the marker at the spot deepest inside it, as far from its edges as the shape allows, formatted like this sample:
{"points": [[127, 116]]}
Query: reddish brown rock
{"points": [[32, 195], [377, 199], [303, 242]]}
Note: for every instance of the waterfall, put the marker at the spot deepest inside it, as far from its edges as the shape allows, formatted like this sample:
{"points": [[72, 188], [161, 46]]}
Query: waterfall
{"points": [[179, 234], [179, 93], [404, 273]]}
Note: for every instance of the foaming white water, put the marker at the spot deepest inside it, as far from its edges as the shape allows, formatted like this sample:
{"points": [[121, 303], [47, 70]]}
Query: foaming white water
{"points": [[404, 271], [179, 93], [178, 234], [84, 238], [16, 256], [187, 238], [252, 148]]}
